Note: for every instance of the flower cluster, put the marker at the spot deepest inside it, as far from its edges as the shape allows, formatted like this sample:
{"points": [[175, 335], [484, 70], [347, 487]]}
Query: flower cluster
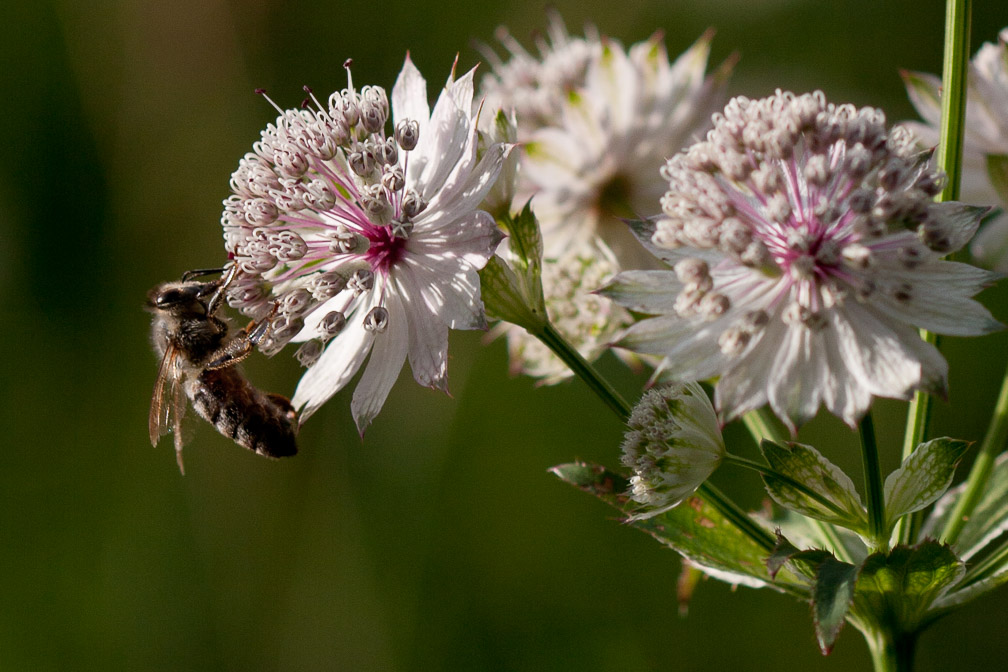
{"points": [[597, 121], [985, 149], [807, 249], [673, 444], [357, 242]]}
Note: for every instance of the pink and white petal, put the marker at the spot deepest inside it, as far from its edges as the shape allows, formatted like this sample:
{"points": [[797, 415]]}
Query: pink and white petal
{"points": [[428, 347], [409, 96], [651, 292], [470, 241], [442, 144], [798, 376], [388, 353], [847, 395], [338, 363], [465, 193], [454, 300], [940, 300], [692, 352]]}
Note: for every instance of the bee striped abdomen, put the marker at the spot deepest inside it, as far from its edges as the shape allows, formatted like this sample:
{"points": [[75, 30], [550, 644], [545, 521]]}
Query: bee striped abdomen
{"points": [[265, 424]]}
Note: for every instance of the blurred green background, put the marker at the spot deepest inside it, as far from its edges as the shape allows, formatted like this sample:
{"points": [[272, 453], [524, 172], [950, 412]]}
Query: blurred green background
{"points": [[439, 542]]}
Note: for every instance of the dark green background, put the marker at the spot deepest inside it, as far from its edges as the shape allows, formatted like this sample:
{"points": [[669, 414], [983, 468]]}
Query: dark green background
{"points": [[437, 543]]}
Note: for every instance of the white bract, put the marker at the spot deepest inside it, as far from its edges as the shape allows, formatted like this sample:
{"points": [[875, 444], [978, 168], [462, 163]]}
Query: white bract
{"points": [[673, 445], [985, 140], [807, 251], [360, 243], [596, 122]]}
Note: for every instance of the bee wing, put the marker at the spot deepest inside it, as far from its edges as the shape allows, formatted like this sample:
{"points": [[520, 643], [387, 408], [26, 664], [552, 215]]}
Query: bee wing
{"points": [[158, 423]]}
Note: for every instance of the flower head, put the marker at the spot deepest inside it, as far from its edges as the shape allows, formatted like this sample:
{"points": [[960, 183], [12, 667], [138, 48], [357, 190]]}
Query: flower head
{"points": [[359, 242], [985, 141], [806, 250], [597, 121], [673, 444]]}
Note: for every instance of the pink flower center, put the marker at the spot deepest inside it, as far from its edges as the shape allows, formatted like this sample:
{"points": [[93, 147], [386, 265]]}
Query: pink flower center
{"points": [[385, 248]]}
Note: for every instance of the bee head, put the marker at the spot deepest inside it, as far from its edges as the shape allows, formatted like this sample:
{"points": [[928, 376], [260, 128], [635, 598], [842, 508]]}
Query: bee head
{"points": [[180, 298]]}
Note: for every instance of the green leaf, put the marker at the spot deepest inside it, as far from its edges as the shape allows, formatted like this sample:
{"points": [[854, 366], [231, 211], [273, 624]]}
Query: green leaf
{"points": [[833, 585], [694, 529], [923, 477], [989, 519], [901, 587], [831, 599], [997, 170], [827, 494], [512, 289]]}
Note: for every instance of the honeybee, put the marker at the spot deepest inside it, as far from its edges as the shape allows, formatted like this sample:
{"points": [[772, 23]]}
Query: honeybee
{"points": [[198, 361]]}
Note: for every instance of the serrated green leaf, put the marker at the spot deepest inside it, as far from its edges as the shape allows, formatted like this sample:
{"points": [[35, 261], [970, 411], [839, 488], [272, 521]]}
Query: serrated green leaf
{"points": [[997, 170], [833, 585], [923, 477], [694, 529], [901, 587], [989, 519], [835, 501], [832, 597], [961, 595]]}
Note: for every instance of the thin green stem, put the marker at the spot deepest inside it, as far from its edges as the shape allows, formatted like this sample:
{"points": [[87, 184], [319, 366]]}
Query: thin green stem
{"points": [[761, 425], [980, 473], [552, 339], [873, 483], [891, 652], [955, 68], [608, 394]]}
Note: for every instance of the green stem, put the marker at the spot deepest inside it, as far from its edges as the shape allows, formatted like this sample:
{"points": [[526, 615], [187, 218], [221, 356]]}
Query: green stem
{"points": [[980, 473], [761, 425], [552, 339], [954, 73], [955, 68], [873, 483], [917, 422], [891, 652]]}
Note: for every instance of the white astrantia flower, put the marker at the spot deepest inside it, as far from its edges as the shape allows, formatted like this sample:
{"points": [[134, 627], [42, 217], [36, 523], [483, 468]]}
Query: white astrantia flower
{"points": [[359, 242], [596, 122], [673, 444], [985, 140], [807, 250]]}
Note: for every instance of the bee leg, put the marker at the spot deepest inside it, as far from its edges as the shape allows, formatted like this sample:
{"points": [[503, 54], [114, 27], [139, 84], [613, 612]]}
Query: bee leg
{"points": [[232, 352], [199, 272], [215, 301], [177, 429]]}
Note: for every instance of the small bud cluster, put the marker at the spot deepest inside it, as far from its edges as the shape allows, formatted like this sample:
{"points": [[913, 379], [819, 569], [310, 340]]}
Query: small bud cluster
{"points": [[673, 444]]}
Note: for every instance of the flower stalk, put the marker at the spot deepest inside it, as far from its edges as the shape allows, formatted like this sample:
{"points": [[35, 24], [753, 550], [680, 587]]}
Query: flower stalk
{"points": [[874, 490], [955, 68]]}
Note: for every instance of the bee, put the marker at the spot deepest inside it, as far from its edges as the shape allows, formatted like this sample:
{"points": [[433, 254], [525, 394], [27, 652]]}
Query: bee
{"points": [[198, 362]]}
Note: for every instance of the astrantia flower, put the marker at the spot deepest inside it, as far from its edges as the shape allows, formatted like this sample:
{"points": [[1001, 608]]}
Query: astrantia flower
{"points": [[985, 146], [807, 250], [673, 445], [361, 243], [597, 122]]}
